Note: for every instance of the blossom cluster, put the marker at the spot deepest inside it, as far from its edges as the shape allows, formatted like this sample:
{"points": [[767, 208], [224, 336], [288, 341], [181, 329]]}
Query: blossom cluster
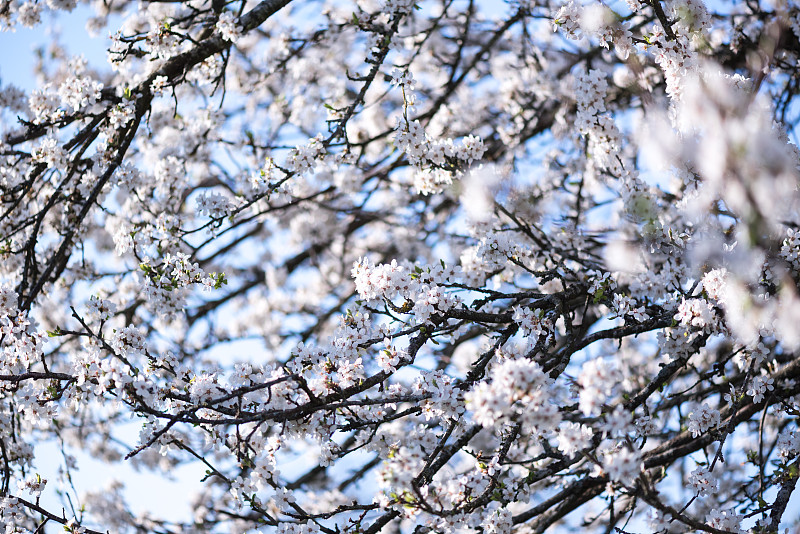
{"points": [[167, 285], [593, 121], [436, 161], [478, 276], [409, 288], [518, 389]]}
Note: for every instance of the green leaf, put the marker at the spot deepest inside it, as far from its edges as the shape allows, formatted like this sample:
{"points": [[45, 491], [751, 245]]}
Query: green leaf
{"points": [[219, 280], [55, 333], [793, 471]]}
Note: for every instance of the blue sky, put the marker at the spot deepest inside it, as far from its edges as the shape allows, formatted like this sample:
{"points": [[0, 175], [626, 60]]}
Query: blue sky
{"points": [[17, 48]]}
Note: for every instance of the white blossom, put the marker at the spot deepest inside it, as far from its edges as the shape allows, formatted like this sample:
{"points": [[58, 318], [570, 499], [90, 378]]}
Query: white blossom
{"points": [[703, 419]]}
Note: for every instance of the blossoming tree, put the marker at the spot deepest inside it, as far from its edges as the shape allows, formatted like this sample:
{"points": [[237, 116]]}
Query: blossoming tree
{"points": [[379, 266]]}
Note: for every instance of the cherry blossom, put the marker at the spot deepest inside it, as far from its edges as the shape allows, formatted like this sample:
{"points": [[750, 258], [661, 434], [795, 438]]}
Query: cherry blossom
{"points": [[395, 266]]}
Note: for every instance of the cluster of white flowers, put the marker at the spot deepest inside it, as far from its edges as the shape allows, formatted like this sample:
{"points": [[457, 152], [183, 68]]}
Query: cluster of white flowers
{"points": [[495, 250], [598, 380], [445, 398], [29, 14], [8, 301], [624, 305], [574, 437], [128, 177], [593, 121], [166, 286], [714, 283], [228, 27], [498, 520], [621, 463], [121, 114], [302, 158], [399, 469], [790, 249], [517, 389], [645, 425], [21, 342], [788, 443], [159, 84], [161, 42], [470, 149], [77, 92], [676, 342], [725, 520], [44, 104], [533, 323], [703, 481], [758, 386], [702, 419], [430, 181], [436, 162], [35, 405], [690, 16], [431, 300], [676, 58], [12, 514], [128, 341], [389, 358], [421, 290], [697, 313], [100, 309], [308, 527], [215, 205], [51, 153], [204, 386], [568, 20], [385, 280], [597, 22], [422, 150], [34, 485], [403, 78]]}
